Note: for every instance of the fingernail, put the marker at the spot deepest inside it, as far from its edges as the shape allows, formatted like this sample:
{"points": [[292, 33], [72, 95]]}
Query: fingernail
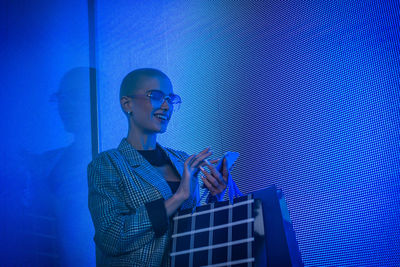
{"points": [[206, 161]]}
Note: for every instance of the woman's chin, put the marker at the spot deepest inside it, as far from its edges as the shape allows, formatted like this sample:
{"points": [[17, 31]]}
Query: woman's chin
{"points": [[163, 130], [158, 130]]}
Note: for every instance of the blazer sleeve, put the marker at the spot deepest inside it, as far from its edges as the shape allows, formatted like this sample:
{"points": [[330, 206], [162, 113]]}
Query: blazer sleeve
{"points": [[118, 229]]}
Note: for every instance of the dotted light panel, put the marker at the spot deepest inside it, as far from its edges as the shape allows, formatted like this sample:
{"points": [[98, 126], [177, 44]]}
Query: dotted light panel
{"points": [[306, 92]]}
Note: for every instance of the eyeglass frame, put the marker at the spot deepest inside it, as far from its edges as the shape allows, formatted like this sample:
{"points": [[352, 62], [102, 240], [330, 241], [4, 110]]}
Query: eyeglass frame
{"points": [[166, 97]]}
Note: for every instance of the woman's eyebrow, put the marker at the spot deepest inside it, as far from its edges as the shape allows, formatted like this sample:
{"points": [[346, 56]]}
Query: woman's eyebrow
{"points": [[158, 90]]}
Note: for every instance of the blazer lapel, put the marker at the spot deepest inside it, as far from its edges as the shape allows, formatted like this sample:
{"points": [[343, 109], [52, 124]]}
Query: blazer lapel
{"points": [[149, 174], [179, 166], [176, 162], [143, 169]]}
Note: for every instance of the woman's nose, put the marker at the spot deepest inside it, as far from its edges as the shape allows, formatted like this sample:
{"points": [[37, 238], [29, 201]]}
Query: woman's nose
{"points": [[165, 104]]}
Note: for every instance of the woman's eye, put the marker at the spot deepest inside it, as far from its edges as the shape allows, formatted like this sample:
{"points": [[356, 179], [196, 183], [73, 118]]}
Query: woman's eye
{"points": [[157, 95]]}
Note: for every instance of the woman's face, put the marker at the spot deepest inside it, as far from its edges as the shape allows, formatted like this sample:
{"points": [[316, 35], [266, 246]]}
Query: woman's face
{"points": [[145, 113]]}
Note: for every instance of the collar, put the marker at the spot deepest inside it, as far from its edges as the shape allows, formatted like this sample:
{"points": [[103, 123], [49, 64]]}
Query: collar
{"points": [[135, 159], [131, 154], [147, 172]]}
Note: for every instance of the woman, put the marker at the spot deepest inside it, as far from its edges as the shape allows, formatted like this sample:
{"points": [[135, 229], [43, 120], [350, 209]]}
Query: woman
{"points": [[135, 189]]}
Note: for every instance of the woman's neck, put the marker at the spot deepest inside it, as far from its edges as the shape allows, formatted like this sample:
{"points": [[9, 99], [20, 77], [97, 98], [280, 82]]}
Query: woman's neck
{"points": [[141, 141]]}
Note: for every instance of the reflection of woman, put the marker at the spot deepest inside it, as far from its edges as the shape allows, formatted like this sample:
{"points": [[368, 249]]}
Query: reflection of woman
{"points": [[136, 188]]}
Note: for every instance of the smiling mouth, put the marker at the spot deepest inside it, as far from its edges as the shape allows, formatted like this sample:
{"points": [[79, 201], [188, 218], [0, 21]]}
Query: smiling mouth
{"points": [[161, 117]]}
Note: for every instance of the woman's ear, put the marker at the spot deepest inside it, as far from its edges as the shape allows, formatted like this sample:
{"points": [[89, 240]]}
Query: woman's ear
{"points": [[126, 104]]}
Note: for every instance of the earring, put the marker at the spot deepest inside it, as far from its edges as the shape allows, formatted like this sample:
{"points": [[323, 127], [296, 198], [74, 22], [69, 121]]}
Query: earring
{"points": [[130, 113]]}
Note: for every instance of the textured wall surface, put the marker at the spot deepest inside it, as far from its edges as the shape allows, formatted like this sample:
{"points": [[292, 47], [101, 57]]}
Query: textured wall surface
{"points": [[307, 93]]}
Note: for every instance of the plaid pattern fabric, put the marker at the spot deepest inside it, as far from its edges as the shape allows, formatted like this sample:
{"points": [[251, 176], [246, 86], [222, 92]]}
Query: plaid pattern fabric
{"points": [[120, 182]]}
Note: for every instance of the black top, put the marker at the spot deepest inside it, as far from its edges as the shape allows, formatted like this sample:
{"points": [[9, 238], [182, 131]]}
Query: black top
{"points": [[157, 157], [174, 186]]}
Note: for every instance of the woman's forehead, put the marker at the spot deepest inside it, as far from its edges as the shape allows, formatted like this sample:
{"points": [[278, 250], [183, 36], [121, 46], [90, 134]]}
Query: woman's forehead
{"points": [[156, 83]]}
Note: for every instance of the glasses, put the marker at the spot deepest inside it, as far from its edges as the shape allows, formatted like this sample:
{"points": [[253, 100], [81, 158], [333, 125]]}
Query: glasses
{"points": [[157, 98]]}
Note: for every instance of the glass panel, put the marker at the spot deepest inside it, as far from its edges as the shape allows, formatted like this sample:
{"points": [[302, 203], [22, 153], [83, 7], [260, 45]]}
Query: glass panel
{"points": [[45, 133]]}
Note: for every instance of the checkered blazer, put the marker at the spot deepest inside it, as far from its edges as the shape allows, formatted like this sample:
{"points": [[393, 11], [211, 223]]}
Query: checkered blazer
{"points": [[120, 182]]}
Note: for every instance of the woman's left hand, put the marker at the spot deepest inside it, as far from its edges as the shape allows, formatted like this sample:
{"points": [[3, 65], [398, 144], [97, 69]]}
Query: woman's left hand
{"points": [[214, 180]]}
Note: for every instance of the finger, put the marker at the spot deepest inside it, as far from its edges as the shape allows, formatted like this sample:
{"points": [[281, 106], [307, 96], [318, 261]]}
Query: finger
{"points": [[225, 180], [214, 189], [222, 179], [207, 149], [214, 161], [208, 185], [209, 177], [210, 162], [213, 170], [189, 159], [200, 158], [225, 168]]}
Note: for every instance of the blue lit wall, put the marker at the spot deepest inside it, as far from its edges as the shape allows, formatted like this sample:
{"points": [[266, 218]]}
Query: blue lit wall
{"points": [[307, 93]]}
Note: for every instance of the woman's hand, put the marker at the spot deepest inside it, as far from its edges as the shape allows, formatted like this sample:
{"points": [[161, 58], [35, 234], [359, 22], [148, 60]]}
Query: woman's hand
{"points": [[188, 182], [214, 180], [191, 169]]}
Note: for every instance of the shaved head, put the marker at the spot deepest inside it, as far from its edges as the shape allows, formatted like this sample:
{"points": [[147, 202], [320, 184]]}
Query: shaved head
{"points": [[135, 79]]}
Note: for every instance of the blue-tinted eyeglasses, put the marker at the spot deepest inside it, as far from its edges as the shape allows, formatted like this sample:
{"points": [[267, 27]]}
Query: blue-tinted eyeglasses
{"points": [[157, 98]]}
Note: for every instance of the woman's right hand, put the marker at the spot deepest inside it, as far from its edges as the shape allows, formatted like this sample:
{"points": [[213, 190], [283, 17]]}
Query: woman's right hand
{"points": [[188, 182], [191, 169]]}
